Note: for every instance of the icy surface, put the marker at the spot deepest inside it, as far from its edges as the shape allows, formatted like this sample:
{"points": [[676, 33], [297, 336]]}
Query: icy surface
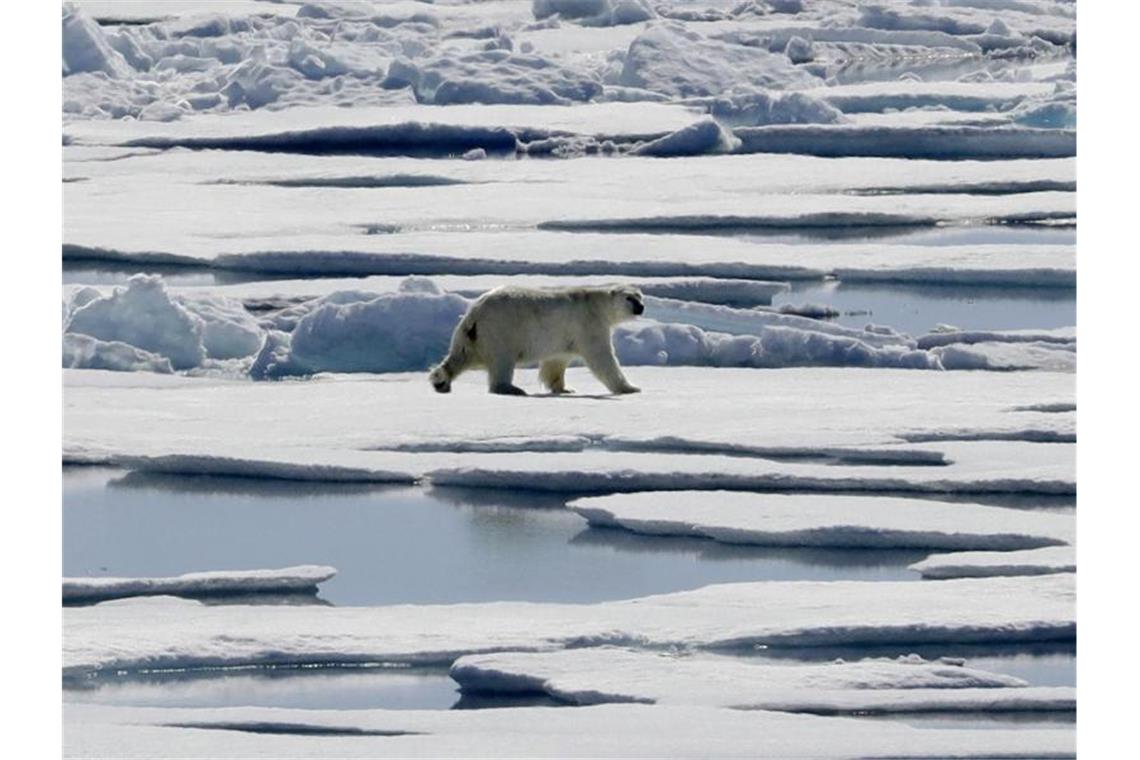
{"points": [[632, 730], [906, 684], [833, 521], [1051, 559], [688, 426], [300, 578], [134, 634]]}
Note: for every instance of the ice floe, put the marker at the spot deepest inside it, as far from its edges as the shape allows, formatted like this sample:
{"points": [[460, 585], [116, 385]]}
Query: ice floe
{"points": [[832, 521], [635, 730], [129, 635], [688, 428], [289, 579], [1051, 559], [906, 684]]}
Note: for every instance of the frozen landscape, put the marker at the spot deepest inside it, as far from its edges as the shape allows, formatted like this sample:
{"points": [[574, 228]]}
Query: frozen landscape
{"points": [[837, 521]]}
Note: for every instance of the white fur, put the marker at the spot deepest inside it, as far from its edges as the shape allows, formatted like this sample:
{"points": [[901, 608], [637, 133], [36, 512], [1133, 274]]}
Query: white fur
{"points": [[510, 325]]}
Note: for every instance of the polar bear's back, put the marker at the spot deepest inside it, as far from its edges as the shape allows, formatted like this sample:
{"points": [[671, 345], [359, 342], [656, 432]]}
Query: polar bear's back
{"points": [[532, 323]]}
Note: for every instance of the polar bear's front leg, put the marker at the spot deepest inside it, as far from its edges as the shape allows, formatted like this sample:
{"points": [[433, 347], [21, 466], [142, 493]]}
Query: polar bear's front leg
{"points": [[599, 357], [500, 376], [552, 373]]}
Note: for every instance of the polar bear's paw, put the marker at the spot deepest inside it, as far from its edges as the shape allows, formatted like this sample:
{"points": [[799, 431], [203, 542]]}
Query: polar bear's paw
{"points": [[507, 389]]}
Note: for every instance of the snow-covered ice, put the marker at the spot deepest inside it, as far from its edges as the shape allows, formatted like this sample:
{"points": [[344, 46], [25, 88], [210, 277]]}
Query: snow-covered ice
{"points": [[288, 579], [818, 520], [632, 730], [606, 674], [1050, 559], [689, 427], [166, 633]]}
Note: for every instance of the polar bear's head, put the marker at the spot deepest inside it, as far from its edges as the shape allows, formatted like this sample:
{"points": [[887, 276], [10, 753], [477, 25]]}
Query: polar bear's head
{"points": [[626, 302]]}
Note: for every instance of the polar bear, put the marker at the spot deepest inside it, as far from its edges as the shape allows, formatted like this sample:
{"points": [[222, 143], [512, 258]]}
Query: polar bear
{"points": [[509, 325]]}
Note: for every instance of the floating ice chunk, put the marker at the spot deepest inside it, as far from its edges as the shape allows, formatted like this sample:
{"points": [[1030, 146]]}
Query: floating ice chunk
{"points": [[600, 731], [145, 316], [85, 352], [701, 137], [831, 521], [289, 579], [604, 675], [670, 59], [981, 564]]}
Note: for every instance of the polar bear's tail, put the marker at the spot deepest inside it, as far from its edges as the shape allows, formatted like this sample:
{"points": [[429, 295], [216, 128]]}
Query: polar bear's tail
{"points": [[459, 357]]}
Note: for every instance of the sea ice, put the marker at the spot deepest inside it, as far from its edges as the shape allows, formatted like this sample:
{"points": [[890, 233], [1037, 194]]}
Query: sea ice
{"points": [[980, 564], [832, 521], [604, 675], [161, 633], [660, 438], [289, 579], [632, 730]]}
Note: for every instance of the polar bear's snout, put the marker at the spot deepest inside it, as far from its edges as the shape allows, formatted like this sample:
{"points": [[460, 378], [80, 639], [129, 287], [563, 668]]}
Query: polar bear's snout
{"points": [[440, 381], [636, 305]]}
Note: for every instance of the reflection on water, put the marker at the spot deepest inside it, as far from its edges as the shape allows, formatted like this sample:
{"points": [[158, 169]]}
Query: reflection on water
{"points": [[1048, 663], [407, 545], [918, 309]]}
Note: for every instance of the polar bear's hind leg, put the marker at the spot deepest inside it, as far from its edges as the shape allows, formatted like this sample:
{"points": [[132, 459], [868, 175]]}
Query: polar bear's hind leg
{"points": [[553, 375]]}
